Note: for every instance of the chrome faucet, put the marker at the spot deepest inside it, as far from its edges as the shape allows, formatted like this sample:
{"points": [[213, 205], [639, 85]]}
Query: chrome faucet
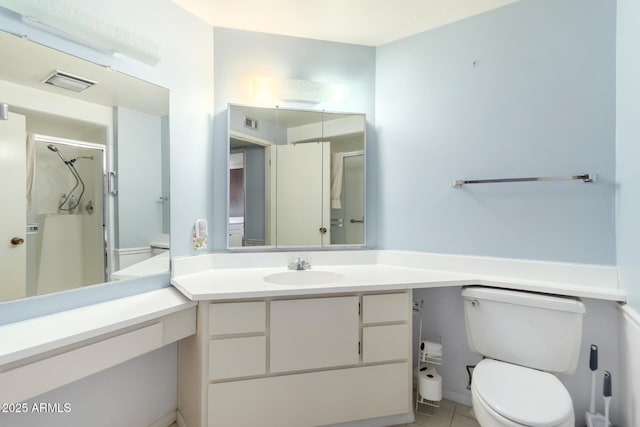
{"points": [[299, 264]]}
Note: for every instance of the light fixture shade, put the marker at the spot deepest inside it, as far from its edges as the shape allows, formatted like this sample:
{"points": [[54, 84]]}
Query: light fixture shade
{"points": [[80, 26], [301, 91], [271, 88], [69, 81]]}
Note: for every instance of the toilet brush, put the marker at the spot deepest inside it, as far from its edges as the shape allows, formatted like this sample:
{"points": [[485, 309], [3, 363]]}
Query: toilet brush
{"points": [[593, 365], [606, 394]]}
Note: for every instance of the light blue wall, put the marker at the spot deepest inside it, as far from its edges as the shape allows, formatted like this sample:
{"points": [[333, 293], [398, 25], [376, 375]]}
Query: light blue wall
{"points": [[242, 55], [138, 162], [539, 101], [166, 176], [628, 148]]}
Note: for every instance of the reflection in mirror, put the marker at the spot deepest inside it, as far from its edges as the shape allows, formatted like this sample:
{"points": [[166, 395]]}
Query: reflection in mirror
{"points": [[296, 178], [92, 160], [347, 177]]}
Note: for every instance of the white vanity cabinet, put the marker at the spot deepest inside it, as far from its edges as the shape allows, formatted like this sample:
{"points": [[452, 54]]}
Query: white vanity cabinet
{"points": [[295, 362], [313, 333]]}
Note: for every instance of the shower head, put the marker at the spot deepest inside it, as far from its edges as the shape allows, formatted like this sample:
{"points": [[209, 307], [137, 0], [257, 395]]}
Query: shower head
{"points": [[57, 150]]}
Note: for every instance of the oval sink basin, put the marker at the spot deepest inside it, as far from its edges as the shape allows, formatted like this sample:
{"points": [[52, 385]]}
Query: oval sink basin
{"points": [[303, 277]]}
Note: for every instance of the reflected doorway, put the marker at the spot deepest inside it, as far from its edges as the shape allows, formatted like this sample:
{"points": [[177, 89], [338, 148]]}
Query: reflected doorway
{"points": [[347, 217]]}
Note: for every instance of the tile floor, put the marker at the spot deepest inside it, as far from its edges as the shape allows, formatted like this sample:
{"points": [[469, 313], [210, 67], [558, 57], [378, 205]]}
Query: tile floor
{"points": [[449, 414]]}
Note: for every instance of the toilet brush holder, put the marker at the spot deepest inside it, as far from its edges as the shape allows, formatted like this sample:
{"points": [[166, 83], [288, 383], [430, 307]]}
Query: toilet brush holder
{"points": [[596, 420]]}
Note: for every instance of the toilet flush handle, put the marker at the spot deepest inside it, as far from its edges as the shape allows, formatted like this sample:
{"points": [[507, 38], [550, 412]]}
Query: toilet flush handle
{"points": [[473, 302]]}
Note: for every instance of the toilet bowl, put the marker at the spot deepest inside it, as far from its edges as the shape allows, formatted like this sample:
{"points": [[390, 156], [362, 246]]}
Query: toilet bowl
{"points": [[504, 394], [524, 337]]}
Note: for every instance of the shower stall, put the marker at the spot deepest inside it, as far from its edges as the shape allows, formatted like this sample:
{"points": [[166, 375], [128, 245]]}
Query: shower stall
{"points": [[65, 214]]}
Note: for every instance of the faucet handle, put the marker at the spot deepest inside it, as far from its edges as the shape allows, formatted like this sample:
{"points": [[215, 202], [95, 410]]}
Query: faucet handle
{"points": [[298, 263]]}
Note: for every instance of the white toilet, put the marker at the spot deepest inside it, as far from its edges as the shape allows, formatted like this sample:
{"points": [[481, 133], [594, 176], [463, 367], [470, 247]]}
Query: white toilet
{"points": [[523, 336]]}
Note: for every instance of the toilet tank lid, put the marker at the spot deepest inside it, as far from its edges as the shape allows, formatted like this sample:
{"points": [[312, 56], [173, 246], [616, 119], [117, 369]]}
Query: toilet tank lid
{"points": [[525, 298]]}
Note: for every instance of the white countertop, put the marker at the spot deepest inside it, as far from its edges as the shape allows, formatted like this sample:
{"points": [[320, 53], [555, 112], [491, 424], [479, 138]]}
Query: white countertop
{"points": [[249, 283], [208, 279], [157, 264], [39, 335]]}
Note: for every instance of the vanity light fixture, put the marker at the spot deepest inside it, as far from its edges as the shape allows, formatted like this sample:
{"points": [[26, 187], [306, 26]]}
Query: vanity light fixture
{"points": [[33, 22], [63, 19], [69, 81], [301, 91], [267, 88]]}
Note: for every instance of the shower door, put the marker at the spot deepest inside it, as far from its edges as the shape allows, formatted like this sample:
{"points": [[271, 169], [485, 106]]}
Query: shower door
{"points": [[12, 226], [68, 249]]}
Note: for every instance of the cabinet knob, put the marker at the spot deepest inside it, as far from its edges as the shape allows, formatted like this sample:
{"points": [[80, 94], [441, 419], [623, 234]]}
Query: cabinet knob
{"points": [[17, 241], [323, 230]]}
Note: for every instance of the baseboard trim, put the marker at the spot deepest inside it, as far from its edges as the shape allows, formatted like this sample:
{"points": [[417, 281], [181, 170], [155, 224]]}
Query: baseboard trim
{"points": [[180, 420], [379, 422], [631, 315], [165, 421], [462, 398]]}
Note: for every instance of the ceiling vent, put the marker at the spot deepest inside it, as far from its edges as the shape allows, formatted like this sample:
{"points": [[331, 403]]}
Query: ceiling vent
{"points": [[250, 123], [69, 81]]}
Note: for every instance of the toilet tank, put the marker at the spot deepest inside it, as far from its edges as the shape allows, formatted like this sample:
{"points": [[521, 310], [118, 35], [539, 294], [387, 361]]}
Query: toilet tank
{"points": [[539, 331]]}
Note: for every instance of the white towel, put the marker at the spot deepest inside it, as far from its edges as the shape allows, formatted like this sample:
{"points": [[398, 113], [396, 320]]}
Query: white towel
{"points": [[337, 171], [31, 167]]}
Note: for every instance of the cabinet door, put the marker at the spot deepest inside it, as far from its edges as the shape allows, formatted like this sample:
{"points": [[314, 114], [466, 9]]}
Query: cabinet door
{"points": [[237, 357], [313, 398], [383, 343], [314, 333]]}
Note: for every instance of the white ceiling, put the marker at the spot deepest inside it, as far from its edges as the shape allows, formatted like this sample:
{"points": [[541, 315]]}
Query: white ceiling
{"points": [[364, 22]]}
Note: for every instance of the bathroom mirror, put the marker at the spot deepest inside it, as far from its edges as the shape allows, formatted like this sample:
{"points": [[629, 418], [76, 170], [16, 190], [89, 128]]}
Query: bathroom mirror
{"points": [[296, 178], [84, 171]]}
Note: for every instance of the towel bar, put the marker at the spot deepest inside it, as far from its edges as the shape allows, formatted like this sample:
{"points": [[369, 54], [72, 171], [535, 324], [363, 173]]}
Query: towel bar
{"points": [[588, 177]]}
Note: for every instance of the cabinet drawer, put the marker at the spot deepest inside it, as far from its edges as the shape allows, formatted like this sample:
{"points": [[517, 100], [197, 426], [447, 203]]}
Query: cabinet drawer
{"points": [[385, 308], [237, 357], [380, 343], [237, 317]]}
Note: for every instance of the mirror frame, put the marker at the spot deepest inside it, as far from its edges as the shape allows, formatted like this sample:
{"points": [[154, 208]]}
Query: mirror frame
{"points": [[274, 248]]}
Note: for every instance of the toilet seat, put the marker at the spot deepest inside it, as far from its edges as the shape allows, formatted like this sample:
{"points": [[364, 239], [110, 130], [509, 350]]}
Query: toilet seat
{"points": [[522, 396]]}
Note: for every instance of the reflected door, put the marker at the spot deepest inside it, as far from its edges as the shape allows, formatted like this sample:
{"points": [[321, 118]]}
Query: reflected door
{"points": [[13, 254], [302, 194]]}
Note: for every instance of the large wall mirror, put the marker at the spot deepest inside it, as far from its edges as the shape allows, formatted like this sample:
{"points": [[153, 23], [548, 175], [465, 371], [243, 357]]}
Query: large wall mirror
{"points": [[296, 178], [84, 171]]}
